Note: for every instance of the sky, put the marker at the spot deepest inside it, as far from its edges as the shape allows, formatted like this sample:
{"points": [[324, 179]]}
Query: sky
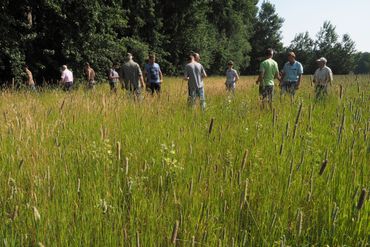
{"points": [[349, 16]]}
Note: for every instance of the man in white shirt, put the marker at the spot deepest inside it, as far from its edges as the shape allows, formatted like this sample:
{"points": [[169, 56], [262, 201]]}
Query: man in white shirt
{"points": [[322, 78], [66, 78]]}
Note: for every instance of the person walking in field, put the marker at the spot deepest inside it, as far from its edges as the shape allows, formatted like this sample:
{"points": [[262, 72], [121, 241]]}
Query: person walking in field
{"points": [[113, 77], [291, 75], [231, 77], [29, 78], [197, 59], [132, 77], [194, 74], [153, 75], [269, 71], [66, 78], [90, 76], [322, 78]]}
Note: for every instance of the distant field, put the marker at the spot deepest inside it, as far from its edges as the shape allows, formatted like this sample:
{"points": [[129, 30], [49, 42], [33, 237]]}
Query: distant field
{"points": [[98, 169]]}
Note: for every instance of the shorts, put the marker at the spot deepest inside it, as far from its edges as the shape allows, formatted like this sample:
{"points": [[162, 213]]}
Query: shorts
{"points": [[266, 92], [133, 90], [194, 93], [289, 86], [112, 85], [91, 84], [321, 91], [155, 87], [230, 86], [32, 87], [67, 86]]}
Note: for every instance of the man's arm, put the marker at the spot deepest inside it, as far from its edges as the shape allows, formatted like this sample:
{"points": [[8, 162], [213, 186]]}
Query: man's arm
{"points": [[160, 74], [142, 81], [260, 77], [62, 78], [330, 77], [236, 76], [204, 74], [277, 75], [299, 80], [186, 75], [145, 74]]}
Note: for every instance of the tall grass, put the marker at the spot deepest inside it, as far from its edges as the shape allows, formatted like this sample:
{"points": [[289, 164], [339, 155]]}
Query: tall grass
{"points": [[98, 169]]}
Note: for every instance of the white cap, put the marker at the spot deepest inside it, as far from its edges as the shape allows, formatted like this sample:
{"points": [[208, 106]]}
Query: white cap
{"points": [[322, 59]]}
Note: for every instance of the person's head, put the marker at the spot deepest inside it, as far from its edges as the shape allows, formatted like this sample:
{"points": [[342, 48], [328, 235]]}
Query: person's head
{"points": [[87, 65], [291, 57], [197, 57], [151, 58], [64, 67], [25, 67], [230, 64], [321, 62], [129, 56], [191, 58], [269, 53]]}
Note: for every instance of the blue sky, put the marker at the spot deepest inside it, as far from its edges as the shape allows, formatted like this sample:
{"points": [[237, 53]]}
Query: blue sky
{"points": [[352, 17]]}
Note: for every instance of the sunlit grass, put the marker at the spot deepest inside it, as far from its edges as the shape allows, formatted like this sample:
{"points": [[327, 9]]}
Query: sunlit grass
{"points": [[99, 169]]}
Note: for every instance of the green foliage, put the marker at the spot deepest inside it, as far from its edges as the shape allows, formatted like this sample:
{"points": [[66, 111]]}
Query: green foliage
{"points": [[363, 63], [47, 34], [267, 34]]}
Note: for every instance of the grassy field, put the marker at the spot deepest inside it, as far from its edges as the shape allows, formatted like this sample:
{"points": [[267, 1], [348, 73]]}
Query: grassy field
{"points": [[97, 169]]}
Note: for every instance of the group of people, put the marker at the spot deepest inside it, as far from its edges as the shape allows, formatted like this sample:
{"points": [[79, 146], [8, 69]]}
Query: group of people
{"points": [[290, 76], [134, 80]]}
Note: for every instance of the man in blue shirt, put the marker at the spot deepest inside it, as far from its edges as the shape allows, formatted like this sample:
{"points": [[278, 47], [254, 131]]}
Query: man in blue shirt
{"points": [[292, 74], [153, 75]]}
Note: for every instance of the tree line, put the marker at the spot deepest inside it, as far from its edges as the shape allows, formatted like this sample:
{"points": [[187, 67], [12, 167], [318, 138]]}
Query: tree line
{"points": [[48, 33]]}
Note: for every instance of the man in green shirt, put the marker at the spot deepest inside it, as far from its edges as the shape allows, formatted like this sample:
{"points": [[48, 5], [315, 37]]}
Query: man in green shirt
{"points": [[269, 71]]}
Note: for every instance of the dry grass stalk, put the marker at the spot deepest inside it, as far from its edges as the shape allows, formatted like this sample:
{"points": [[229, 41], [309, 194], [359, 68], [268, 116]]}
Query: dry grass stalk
{"points": [[362, 199], [174, 232]]}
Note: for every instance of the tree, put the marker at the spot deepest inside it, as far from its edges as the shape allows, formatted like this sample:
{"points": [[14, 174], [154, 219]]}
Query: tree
{"points": [[267, 34], [363, 63], [303, 46], [339, 54]]}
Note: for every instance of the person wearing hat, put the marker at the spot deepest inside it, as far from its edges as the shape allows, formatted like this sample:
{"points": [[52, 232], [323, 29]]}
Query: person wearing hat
{"points": [[132, 77], [231, 77], [269, 71], [322, 78], [291, 75]]}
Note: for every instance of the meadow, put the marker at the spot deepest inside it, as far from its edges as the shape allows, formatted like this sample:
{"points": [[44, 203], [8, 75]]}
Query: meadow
{"points": [[99, 169]]}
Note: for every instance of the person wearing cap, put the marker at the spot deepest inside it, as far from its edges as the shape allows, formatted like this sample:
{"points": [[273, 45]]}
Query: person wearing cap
{"points": [[153, 75], [291, 75], [269, 71], [194, 74], [66, 78], [231, 77], [29, 78], [132, 77], [322, 78], [90, 76]]}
